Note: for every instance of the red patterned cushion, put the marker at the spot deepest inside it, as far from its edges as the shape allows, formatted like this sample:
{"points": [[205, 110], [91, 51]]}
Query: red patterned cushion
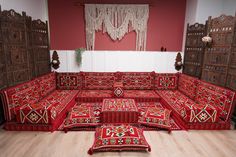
{"points": [[47, 83], [138, 80], [140, 93], [69, 81], [188, 109], [98, 80], [118, 138], [20, 95], [157, 117], [48, 109], [82, 115], [95, 93], [166, 81], [188, 85], [216, 96], [118, 90]]}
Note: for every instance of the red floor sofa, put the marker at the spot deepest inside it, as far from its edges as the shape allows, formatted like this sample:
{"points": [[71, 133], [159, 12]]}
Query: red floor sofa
{"points": [[42, 103]]}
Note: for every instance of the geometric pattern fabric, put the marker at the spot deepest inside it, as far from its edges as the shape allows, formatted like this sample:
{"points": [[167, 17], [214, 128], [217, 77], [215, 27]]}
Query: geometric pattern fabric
{"points": [[157, 117], [188, 109], [118, 138]]}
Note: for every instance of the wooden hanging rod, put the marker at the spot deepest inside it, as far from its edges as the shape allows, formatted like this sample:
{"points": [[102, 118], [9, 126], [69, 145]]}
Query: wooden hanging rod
{"points": [[77, 3]]}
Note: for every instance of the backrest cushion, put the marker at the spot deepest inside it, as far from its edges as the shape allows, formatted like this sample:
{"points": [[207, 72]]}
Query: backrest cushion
{"points": [[72, 81], [138, 80], [47, 83], [187, 85], [216, 96], [98, 80], [166, 81], [20, 95]]}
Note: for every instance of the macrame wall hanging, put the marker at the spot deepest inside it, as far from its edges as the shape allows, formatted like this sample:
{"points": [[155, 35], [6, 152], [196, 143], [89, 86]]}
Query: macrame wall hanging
{"points": [[116, 20]]}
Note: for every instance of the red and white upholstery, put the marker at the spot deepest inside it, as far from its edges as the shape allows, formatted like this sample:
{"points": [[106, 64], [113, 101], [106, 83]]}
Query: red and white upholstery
{"points": [[216, 96], [83, 115], [36, 104], [41, 103], [188, 85], [138, 80], [93, 95], [48, 109], [119, 138], [47, 84], [119, 111], [118, 90], [20, 95], [142, 95], [157, 117], [188, 109], [167, 81], [98, 80], [70, 81]]}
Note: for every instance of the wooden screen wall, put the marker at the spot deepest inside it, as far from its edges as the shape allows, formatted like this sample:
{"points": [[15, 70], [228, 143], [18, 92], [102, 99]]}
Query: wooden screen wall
{"points": [[194, 50], [24, 48], [214, 63]]}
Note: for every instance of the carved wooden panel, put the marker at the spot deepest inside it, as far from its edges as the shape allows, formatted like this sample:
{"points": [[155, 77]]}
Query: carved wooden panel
{"points": [[15, 47], [194, 49], [3, 75], [219, 57], [24, 48], [231, 78], [39, 48]]}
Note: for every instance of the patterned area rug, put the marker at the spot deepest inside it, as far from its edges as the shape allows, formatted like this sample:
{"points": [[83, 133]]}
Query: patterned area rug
{"points": [[142, 107]]}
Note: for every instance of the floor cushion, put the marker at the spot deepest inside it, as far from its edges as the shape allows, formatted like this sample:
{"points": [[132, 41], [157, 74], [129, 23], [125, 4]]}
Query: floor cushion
{"points": [[119, 138], [82, 115], [156, 117]]}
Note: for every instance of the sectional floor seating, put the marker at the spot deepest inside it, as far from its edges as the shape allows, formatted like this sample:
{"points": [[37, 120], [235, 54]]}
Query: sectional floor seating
{"points": [[42, 103], [37, 104]]}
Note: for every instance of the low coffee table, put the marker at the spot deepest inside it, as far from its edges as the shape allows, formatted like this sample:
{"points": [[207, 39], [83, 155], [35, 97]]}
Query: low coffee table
{"points": [[119, 111]]}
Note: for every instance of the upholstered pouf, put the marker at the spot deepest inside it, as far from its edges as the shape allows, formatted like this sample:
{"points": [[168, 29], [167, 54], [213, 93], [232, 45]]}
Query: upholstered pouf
{"points": [[118, 90], [83, 115], [156, 117], [119, 138], [119, 111]]}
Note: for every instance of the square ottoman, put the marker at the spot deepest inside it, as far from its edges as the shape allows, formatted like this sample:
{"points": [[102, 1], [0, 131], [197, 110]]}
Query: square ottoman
{"points": [[83, 115], [119, 138], [156, 117], [119, 111]]}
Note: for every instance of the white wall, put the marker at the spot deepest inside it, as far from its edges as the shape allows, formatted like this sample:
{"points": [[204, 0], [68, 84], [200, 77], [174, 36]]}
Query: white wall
{"points": [[111, 61], [190, 17], [199, 11], [214, 8], [229, 7], [37, 9]]}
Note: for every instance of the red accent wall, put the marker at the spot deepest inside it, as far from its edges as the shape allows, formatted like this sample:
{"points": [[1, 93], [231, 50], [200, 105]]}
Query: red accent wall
{"points": [[165, 26]]}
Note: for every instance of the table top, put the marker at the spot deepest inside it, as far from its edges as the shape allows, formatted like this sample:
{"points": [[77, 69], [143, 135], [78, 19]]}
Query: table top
{"points": [[119, 105]]}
